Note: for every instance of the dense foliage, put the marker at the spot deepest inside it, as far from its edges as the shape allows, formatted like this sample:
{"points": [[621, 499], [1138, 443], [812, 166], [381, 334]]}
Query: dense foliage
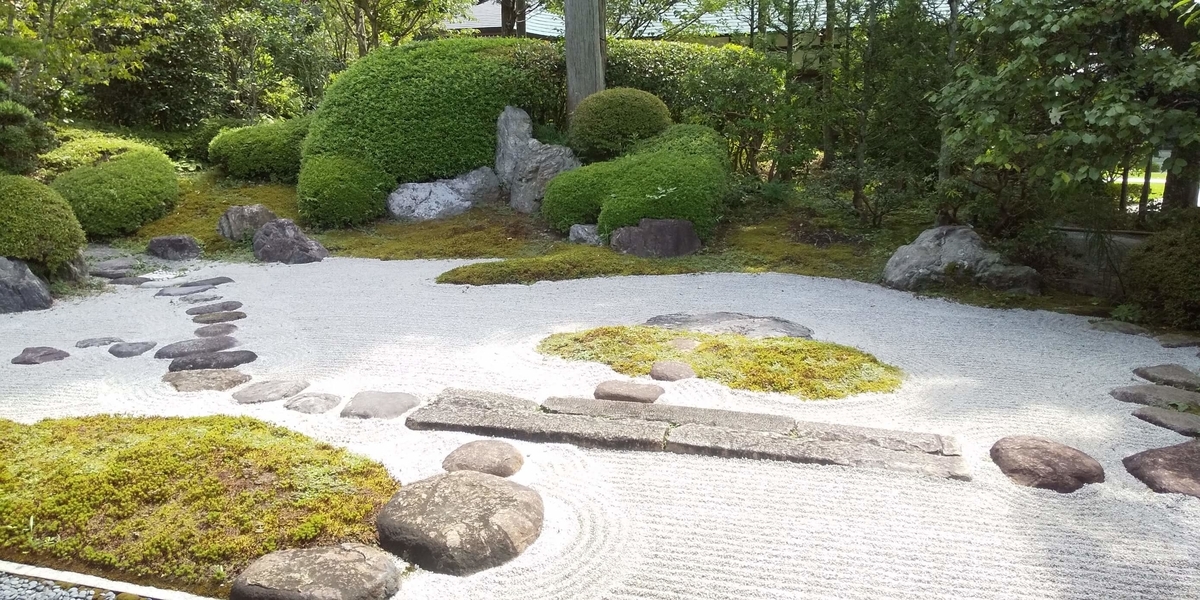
{"points": [[1163, 277], [39, 226], [22, 135], [336, 191], [266, 151], [120, 192], [608, 123]]}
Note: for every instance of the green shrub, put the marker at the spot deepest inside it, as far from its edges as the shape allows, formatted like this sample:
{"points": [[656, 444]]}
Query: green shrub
{"points": [[608, 123], [1163, 277], [336, 191], [120, 192], [38, 225], [201, 137], [576, 196], [266, 151], [82, 148]]}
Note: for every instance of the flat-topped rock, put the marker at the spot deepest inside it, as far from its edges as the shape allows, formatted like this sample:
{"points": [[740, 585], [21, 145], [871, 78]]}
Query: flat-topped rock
{"points": [[732, 322], [215, 329], [1173, 375], [205, 379], [269, 391], [485, 456], [1162, 396], [226, 306], [196, 346], [114, 268], [1041, 463], [200, 298], [37, 355], [349, 571], [628, 391], [174, 247], [1170, 470], [656, 238], [888, 439], [671, 414], [1180, 422], [131, 349], [100, 341], [1178, 340], [215, 360], [173, 291], [379, 405], [1111, 326], [213, 281], [219, 317], [135, 281], [671, 370], [313, 403]]}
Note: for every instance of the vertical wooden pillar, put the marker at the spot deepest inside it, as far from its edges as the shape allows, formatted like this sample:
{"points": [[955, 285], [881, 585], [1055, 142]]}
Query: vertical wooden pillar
{"points": [[584, 53]]}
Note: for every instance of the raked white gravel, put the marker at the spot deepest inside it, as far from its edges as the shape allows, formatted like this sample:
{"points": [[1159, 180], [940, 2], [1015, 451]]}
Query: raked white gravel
{"points": [[660, 526]]}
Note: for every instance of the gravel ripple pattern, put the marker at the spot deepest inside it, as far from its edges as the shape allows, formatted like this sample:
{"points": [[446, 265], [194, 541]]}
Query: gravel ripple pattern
{"points": [[13, 587]]}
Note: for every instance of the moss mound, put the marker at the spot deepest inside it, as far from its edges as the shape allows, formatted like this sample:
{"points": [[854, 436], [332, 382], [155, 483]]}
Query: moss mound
{"points": [[337, 191], [38, 225], [1163, 276], [82, 147], [121, 190], [610, 122], [806, 368], [182, 502], [265, 151]]}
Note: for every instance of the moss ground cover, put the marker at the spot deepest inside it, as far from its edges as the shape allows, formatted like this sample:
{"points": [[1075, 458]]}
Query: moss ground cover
{"points": [[806, 368], [181, 502]]}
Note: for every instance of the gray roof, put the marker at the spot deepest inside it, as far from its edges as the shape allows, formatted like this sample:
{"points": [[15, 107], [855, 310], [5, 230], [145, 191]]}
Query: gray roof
{"points": [[540, 23]]}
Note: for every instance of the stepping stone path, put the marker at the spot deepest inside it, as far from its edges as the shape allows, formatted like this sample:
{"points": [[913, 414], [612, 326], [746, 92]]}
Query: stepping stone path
{"points": [[200, 298], [379, 405], [37, 355], [226, 306], [215, 330], [205, 379], [215, 360], [196, 346], [1162, 396], [1170, 470], [485, 456], [131, 349], [313, 404], [174, 247], [1172, 375], [348, 571], [100, 341], [684, 344], [1110, 326], [219, 317], [114, 268], [130, 280], [269, 391], [1042, 463], [1179, 422], [183, 290], [460, 523], [731, 322], [671, 370], [627, 391]]}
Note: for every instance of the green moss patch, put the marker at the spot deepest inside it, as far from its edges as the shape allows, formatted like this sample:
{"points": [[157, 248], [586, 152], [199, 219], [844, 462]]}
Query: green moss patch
{"points": [[179, 502], [569, 261], [805, 368]]}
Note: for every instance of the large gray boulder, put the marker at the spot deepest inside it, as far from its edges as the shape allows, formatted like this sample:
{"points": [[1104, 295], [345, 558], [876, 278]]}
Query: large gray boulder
{"points": [[1042, 463], [20, 289], [514, 130], [282, 241], [460, 523], [585, 234], [444, 197], [656, 238], [537, 166], [950, 252], [240, 222], [174, 247], [348, 571]]}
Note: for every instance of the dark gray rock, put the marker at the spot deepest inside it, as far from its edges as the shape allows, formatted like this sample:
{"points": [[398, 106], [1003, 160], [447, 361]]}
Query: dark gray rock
{"points": [[671, 370], [269, 391], [535, 168], [1162, 396], [588, 235], [460, 523], [1178, 340], [312, 404], [628, 391], [444, 197], [219, 317], [282, 241], [1180, 422], [20, 289], [37, 355], [100, 341], [205, 379], [379, 405], [130, 280], [731, 322], [114, 268], [215, 329], [349, 571], [656, 238], [1041, 463], [1173, 375], [215, 360], [178, 290], [1170, 470], [666, 413], [485, 456], [174, 247], [949, 252], [1112, 326], [131, 349], [228, 305], [514, 131], [196, 346], [240, 222], [212, 281]]}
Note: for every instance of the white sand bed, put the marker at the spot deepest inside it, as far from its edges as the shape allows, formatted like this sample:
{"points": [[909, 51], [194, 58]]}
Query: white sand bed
{"points": [[629, 525]]}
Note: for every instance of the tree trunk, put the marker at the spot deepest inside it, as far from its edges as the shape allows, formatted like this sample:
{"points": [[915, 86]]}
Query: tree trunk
{"points": [[1144, 201], [827, 83], [1124, 200], [1183, 186], [585, 58], [508, 17]]}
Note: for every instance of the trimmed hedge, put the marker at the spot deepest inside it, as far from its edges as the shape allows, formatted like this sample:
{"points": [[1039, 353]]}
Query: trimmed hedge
{"points": [[265, 151], [120, 193], [82, 148], [608, 123], [336, 191], [1163, 277], [38, 225]]}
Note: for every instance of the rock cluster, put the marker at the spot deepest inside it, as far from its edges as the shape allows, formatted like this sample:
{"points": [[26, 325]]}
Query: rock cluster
{"points": [[524, 165]]}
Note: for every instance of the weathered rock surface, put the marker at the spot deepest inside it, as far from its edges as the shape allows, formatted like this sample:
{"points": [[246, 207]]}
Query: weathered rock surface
{"points": [[174, 247], [514, 130], [219, 317], [379, 405], [20, 289], [228, 305], [460, 523], [667, 413], [76, 269], [37, 355], [214, 360], [731, 322], [131, 349], [215, 329], [1113, 326], [444, 197], [1042, 463], [1162, 396], [205, 379], [282, 241], [212, 281], [1178, 340], [628, 391], [200, 298], [585, 234], [536, 167], [196, 346], [179, 290], [1170, 470], [1180, 422], [656, 238], [100, 341], [671, 370], [485, 456], [240, 222], [114, 268], [349, 571], [1173, 375], [313, 404], [269, 391], [130, 280], [942, 253]]}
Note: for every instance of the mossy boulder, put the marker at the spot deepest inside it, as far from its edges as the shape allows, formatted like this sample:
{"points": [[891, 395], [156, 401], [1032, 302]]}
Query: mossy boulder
{"points": [[38, 224]]}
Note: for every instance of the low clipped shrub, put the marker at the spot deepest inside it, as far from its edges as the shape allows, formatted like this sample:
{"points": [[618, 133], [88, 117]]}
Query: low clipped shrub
{"points": [[608, 123], [336, 191], [1163, 277], [82, 148], [265, 151], [200, 138], [119, 193], [38, 225]]}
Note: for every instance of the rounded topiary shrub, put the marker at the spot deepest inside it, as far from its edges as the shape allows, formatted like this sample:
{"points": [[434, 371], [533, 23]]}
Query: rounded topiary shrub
{"points": [[1163, 276], [265, 151], [608, 123], [36, 224], [119, 193], [336, 191], [84, 150]]}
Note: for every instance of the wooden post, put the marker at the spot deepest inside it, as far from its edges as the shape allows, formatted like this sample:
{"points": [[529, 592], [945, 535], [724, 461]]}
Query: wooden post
{"points": [[585, 58]]}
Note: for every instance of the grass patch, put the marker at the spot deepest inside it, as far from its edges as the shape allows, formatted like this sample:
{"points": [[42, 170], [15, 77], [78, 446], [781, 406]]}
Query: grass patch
{"points": [[805, 368], [186, 503]]}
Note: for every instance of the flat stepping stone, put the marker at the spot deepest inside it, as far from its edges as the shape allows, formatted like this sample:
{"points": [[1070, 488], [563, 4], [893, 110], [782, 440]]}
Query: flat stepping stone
{"points": [[269, 391], [226, 306], [731, 322], [1170, 470], [1179, 422], [1173, 375], [313, 404], [485, 456], [460, 523], [215, 360], [1041, 463], [379, 405], [1111, 326], [349, 571], [671, 370], [212, 281], [215, 330], [1162, 396], [205, 380], [219, 317], [113, 268], [100, 341], [131, 349], [684, 344], [200, 298], [1178, 340], [627, 391], [173, 291], [130, 280], [37, 355], [196, 346]]}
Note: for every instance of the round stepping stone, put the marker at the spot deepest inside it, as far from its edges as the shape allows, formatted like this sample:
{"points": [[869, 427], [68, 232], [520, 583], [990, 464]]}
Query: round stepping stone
{"points": [[205, 379], [200, 298], [215, 360], [348, 571], [1110, 326], [1042, 463], [627, 391], [485, 456], [1178, 340], [37, 355], [183, 291], [1173, 375], [684, 344], [671, 370], [202, 345], [313, 404], [1177, 421], [268, 391], [218, 317], [130, 280], [131, 349], [460, 523], [213, 281], [1170, 470], [215, 330], [100, 341], [731, 322], [225, 306], [379, 405]]}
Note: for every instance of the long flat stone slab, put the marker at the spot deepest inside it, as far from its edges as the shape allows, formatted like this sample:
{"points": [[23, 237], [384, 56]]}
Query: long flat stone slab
{"points": [[671, 414], [888, 439], [589, 432], [1162, 396]]}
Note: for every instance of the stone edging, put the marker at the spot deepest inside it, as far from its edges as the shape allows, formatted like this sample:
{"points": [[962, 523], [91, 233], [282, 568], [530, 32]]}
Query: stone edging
{"points": [[91, 581]]}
